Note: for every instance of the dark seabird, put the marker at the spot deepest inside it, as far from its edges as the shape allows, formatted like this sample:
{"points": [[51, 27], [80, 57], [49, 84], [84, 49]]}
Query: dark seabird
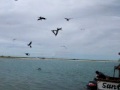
{"points": [[82, 29], [118, 53], [67, 19], [41, 18], [30, 44], [27, 54], [14, 39], [64, 47], [56, 31]]}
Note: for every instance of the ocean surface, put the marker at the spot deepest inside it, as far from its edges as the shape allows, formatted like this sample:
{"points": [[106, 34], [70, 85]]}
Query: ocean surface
{"points": [[20, 74]]}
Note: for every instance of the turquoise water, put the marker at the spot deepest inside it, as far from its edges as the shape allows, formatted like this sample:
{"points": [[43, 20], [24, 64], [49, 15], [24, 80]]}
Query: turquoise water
{"points": [[17, 74]]}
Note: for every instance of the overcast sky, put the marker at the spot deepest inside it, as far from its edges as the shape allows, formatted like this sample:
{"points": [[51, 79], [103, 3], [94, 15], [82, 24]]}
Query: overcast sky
{"points": [[92, 33]]}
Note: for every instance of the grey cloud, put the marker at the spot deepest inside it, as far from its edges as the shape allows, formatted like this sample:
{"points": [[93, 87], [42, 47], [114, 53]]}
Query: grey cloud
{"points": [[100, 19]]}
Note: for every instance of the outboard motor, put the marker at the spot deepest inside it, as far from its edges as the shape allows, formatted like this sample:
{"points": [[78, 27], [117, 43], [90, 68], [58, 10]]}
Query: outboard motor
{"points": [[92, 85]]}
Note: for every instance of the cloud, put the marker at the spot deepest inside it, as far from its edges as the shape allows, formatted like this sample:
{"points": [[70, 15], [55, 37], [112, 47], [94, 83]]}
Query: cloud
{"points": [[100, 20]]}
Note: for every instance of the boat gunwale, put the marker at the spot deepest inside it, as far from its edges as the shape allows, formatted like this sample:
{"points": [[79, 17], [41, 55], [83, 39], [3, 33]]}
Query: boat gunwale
{"points": [[109, 80]]}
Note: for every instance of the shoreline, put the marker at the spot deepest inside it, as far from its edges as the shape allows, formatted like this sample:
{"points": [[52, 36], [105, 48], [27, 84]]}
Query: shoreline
{"points": [[43, 58]]}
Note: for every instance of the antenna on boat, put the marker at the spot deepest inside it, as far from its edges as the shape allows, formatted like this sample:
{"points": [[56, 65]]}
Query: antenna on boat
{"points": [[117, 68], [114, 71]]}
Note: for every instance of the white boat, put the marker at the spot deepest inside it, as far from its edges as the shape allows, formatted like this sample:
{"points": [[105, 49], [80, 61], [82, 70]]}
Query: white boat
{"points": [[108, 83]]}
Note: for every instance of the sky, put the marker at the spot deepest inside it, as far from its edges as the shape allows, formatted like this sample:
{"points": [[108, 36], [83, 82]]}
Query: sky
{"points": [[93, 32]]}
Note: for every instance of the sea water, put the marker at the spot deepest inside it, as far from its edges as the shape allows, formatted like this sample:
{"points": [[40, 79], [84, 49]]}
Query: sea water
{"points": [[19, 74]]}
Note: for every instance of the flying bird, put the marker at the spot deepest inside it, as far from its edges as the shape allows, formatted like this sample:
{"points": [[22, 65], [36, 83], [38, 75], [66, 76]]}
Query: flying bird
{"points": [[41, 18], [27, 54], [118, 53], [30, 44], [82, 29], [64, 47], [56, 31], [67, 19], [14, 39]]}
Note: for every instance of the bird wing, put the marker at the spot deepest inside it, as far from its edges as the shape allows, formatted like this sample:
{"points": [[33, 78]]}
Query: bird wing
{"points": [[30, 43]]}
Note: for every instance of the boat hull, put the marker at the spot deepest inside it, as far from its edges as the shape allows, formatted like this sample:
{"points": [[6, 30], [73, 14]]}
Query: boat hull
{"points": [[108, 85]]}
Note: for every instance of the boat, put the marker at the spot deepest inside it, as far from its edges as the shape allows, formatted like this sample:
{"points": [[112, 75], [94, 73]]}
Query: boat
{"points": [[107, 83]]}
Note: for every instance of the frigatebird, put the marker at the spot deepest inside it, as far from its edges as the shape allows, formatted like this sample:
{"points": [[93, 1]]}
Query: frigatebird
{"points": [[30, 44], [41, 18], [56, 31], [67, 19]]}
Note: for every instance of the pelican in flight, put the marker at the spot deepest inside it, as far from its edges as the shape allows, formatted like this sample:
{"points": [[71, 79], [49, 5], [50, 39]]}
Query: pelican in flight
{"points": [[67, 19], [41, 18], [30, 44], [56, 31]]}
